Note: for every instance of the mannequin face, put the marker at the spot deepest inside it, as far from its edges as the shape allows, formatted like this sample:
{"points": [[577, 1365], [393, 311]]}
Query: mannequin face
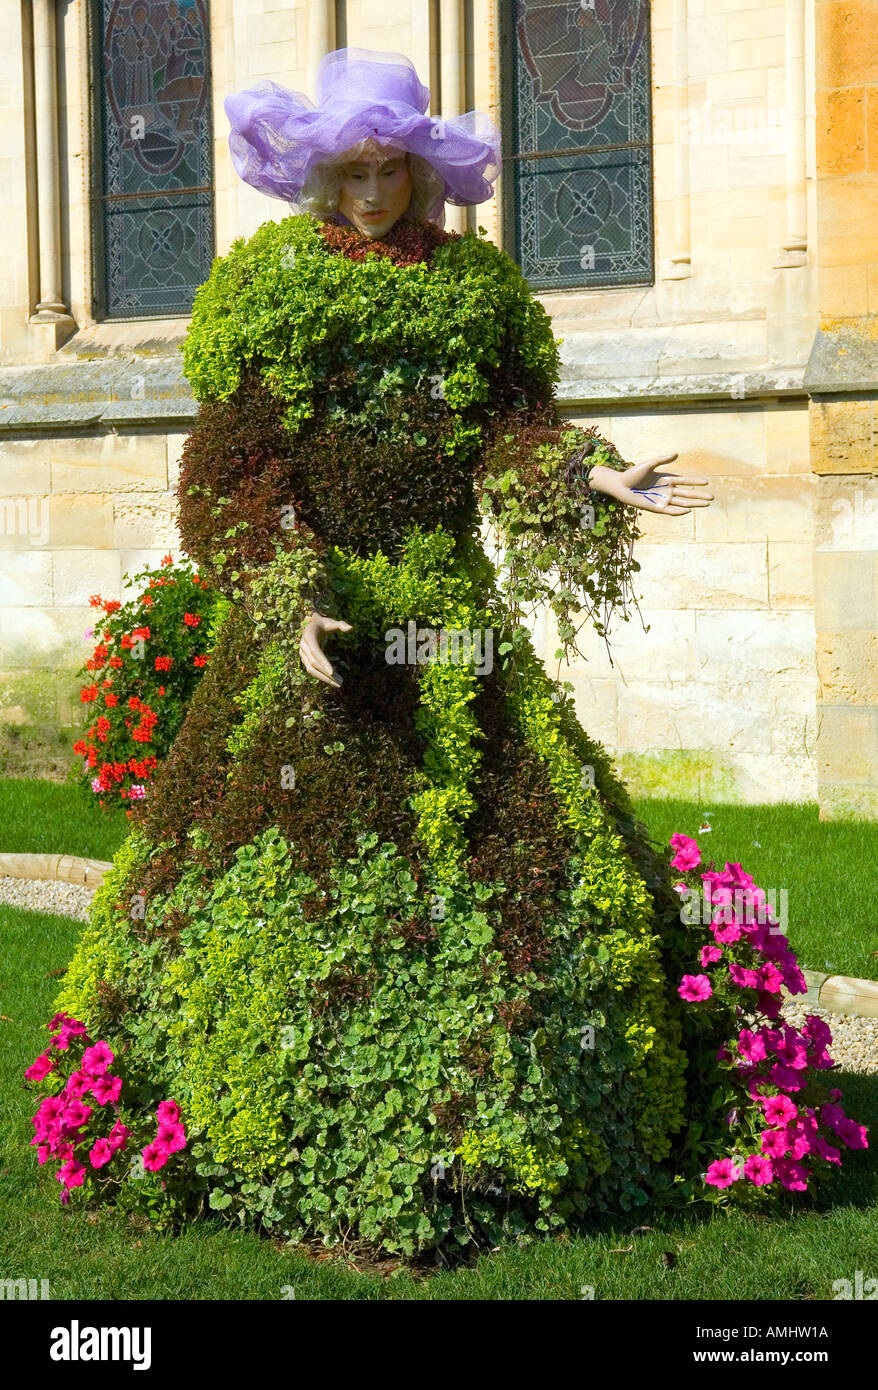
{"points": [[376, 190]]}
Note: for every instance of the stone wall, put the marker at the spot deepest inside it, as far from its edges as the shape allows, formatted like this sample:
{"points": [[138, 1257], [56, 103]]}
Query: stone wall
{"points": [[79, 512], [842, 380]]}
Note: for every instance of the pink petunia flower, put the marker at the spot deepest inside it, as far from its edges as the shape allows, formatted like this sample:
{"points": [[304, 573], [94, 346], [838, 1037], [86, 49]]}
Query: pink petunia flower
{"points": [[695, 988], [688, 855], [172, 1137], [96, 1059], [741, 877], [793, 1176], [768, 1004], [802, 1135], [821, 1061], [107, 1089], [747, 979], [817, 1030], [758, 1168], [50, 1111], [78, 1085], [772, 978], [772, 1038], [793, 978], [774, 1143], [40, 1067], [155, 1156], [786, 1078], [725, 932], [710, 954], [101, 1153], [778, 1110], [119, 1135], [76, 1114], [751, 1046], [792, 1050], [852, 1134], [826, 1151], [168, 1112], [59, 1020], [722, 1173], [71, 1173], [833, 1117]]}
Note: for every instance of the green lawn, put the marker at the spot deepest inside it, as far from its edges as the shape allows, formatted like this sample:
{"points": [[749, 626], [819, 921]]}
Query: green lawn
{"points": [[797, 1253], [41, 817], [829, 870]]}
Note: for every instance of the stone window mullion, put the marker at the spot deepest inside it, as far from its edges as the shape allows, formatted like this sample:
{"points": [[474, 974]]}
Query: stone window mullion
{"points": [[51, 307]]}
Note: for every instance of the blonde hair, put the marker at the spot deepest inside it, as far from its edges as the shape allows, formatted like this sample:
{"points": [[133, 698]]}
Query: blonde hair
{"points": [[320, 192]]}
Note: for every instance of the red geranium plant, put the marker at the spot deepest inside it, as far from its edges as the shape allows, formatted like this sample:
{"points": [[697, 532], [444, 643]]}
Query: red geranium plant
{"points": [[149, 656]]}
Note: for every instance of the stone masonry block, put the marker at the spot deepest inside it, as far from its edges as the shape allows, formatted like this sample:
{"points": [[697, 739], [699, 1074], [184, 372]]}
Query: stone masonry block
{"points": [[25, 578], [791, 574], [847, 746], [710, 576], [787, 439], [848, 666], [846, 514], [735, 646], [36, 638], [841, 437], [780, 508], [697, 715], [109, 463], [844, 43], [81, 573], [145, 523], [841, 131], [844, 591], [24, 467], [25, 522], [84, 520]]}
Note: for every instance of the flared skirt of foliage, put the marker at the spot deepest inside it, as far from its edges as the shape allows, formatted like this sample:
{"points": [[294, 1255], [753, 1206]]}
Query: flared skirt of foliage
{"points": [[400, 951]]}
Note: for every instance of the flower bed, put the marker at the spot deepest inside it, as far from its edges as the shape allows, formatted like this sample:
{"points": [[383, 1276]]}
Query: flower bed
{"points": [[785, 1120]]}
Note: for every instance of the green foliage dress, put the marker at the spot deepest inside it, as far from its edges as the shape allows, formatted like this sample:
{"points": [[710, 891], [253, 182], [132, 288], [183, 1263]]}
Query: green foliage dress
{"points": [[402, 953]]}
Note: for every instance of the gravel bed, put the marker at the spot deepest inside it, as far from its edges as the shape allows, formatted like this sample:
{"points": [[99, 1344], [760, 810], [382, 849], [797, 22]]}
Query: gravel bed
{"points": [[47, 895], [854, 1040], [854, 1043]]}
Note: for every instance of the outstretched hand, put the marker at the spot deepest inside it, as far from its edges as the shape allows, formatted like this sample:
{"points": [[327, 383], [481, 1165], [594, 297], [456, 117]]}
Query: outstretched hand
{"points": [[314, 660], [645, 487]]}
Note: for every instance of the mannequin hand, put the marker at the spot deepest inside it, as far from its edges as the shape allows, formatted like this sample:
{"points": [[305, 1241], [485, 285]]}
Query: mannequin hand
{"points": [[311, 651], [644, 487]]}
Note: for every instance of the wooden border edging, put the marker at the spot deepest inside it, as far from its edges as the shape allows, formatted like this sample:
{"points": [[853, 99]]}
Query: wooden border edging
{"points": [[839, 994], [64, 867]]}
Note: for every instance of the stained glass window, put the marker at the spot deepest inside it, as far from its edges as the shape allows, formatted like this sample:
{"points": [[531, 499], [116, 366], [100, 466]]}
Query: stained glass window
{"points": [[153, 164], [578, 141]]}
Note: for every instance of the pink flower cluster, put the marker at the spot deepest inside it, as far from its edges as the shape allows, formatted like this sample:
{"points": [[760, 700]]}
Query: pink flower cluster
{"points": [[171, 1137], [770, 1062], [62, 1120], [792, 1134]]}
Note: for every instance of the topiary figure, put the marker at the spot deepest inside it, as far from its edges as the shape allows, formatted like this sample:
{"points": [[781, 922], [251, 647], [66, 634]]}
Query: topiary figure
{"points": [[387, 929]]}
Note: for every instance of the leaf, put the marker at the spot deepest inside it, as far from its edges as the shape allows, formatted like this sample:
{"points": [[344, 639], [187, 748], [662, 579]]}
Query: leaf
{"points": [[220, 1200]]}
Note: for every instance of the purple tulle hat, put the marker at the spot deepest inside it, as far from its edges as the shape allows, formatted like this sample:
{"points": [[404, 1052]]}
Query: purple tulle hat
{"points": [[278, 136]]}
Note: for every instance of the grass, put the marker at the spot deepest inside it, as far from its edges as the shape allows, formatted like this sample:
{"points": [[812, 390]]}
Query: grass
{"points": [[828, 870], [795, 1253], [42, 817]]}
